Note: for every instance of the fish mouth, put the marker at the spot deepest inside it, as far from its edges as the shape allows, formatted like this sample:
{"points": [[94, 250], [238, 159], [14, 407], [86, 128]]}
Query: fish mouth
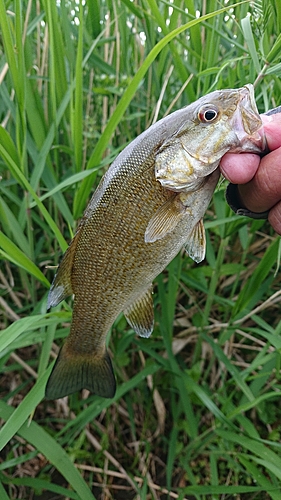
{"points": [[250, 129]]}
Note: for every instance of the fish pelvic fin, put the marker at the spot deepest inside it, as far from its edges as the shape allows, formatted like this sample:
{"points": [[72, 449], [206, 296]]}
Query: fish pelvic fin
{"points": [[61, 286], [165, 219], [140, 314], [73, 372], [196, 243]]}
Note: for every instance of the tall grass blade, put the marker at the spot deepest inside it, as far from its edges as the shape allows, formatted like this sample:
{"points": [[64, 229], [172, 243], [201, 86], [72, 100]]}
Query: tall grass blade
{"points": [[39, 438], [83, 192]]}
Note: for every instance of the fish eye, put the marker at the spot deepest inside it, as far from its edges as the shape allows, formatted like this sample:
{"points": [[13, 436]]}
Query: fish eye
{"points": [[208, 113]]}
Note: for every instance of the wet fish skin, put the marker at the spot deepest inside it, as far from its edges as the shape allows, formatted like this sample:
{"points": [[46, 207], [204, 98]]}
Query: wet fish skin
{"points": [[148, 205]]}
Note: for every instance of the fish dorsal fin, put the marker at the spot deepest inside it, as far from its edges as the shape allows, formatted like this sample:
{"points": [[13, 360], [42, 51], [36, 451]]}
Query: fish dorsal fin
{"points": [[140, 314], [196, 244], [165, 219], [61, 286]]}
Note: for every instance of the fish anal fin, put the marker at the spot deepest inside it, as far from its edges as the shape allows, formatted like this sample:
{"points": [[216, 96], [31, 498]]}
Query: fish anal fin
{"points": [[61, 286], [140, 314], [196, 243], [165, 219], [73, 372]]}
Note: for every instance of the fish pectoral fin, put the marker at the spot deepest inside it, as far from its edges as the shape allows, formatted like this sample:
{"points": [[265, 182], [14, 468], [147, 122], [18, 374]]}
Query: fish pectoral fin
{"points": [[165, 219], [73, 372], [61, 286], [196, 244], [140, 314]]}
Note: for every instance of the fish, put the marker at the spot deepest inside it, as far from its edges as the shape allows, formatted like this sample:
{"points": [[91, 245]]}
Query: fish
{"points": [[149, 204]]}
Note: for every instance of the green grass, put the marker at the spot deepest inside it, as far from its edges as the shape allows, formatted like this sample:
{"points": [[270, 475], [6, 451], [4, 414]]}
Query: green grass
{"points": [[197, 412]]}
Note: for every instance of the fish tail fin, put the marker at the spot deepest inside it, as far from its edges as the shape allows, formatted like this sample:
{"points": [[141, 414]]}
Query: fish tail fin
{"points": [[73, 372]]}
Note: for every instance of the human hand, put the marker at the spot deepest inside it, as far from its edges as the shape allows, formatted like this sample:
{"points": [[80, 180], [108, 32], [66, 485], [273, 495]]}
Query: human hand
{"points": [[259, 179]]}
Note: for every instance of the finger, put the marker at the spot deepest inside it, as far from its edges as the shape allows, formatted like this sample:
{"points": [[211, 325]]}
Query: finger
{"points": [[272, 127], [274, 217], [264, 190], [239, 168]]}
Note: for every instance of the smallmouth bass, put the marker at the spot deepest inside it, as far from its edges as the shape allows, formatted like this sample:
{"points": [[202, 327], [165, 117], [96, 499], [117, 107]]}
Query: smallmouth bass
{"points": [[148, 205]]}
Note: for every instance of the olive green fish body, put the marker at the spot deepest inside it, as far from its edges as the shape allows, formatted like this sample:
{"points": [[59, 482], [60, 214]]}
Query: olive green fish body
{"points": [[148, 205]]}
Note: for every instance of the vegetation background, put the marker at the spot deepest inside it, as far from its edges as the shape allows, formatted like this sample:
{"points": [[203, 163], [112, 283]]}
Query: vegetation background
{"points": [[197, 414]]}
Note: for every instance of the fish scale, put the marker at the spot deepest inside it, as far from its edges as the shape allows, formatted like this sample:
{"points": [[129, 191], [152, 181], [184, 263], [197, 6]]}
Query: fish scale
{"points": [[149, 204]]}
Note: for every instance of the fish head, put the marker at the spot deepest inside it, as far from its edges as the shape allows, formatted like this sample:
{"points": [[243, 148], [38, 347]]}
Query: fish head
{"points": [[220, 122]]}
